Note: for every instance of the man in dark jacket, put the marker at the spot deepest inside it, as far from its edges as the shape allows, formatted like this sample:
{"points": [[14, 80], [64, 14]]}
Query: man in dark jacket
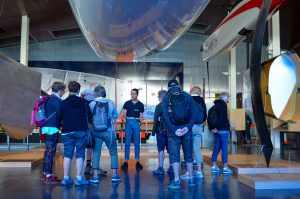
{"points": [[161, 131], [51, 130], [246, 133], [179, 133], [221, 130], [75, 117]]}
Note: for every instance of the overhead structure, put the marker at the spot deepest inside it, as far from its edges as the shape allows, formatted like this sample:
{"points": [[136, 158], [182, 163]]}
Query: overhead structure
{"points": [[20, 87], [130, 29], [234, 28]]}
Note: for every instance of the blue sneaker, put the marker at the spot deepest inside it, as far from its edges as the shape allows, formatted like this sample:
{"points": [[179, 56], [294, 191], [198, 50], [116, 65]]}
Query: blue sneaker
{"points": [[81, 181], [174, 185], [116, 179], [215, 169], [159, 171], [66, 181], [226, 170], [94, 180], [191, 183]]}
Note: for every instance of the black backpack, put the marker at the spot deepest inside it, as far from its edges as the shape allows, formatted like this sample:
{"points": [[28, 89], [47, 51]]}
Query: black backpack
{"points": [[212, 118], [179, 109], [199, 113]]}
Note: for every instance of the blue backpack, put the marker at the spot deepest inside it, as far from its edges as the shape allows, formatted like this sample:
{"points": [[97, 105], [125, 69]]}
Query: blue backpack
{"points": [[101, 121]]}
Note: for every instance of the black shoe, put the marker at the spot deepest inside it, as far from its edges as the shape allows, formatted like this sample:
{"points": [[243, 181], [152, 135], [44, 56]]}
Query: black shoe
{"points": [[170, 170], [124, 166], [88, 169], [138, 166]]}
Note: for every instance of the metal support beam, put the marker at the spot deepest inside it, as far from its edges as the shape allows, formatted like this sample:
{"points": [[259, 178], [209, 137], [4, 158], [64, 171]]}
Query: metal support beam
{"points": [[274, 50], [274, 35], [255, 76], [24, 40], [232, 78], [8, 142]]}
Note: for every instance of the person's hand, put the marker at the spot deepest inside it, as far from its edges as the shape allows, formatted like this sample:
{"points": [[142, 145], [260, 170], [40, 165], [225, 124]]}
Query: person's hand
{"points": [[185, 130], [214, 130], [178, 132]]}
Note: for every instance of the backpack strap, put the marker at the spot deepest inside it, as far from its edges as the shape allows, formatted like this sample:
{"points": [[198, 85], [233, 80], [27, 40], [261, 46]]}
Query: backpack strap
{"points": [[95, 108]]}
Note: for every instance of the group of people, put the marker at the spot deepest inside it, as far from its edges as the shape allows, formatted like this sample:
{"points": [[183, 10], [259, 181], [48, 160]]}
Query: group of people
{"points": [[178, 121], [76, 117]]}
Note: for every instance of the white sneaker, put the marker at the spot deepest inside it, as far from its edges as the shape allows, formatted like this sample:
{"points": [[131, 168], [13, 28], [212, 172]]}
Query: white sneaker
{"points": [[185, 177], [199, 175], [215, 169], [226, 170]]}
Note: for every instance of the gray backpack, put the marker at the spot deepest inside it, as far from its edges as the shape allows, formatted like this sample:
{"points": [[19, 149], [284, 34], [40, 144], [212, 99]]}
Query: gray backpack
{"points": [[101, 121]]}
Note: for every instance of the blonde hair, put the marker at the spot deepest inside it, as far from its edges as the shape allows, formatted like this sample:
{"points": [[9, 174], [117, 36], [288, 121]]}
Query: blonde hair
{"points": [[196, 90]]}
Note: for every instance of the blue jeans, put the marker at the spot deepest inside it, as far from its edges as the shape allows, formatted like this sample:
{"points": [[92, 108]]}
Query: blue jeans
{"points": [[76, 139], [132, 129], [110, 140], [221, 143], [174, 144], [197, 135]]}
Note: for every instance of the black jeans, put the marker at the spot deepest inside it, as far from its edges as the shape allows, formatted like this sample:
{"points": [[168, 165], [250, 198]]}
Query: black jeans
{"points": [[50, 151]]}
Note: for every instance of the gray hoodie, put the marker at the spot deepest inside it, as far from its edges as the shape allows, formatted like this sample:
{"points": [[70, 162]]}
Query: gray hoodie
{"points": [[112, 111]]}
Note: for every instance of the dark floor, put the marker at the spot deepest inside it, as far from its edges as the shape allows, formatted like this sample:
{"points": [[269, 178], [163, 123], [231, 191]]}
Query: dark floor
{"points": [[22, 184]]}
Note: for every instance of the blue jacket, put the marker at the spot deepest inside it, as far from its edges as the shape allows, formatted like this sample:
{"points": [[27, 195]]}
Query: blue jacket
{"points": [[172, 127], [74, 115], [53, 106]]}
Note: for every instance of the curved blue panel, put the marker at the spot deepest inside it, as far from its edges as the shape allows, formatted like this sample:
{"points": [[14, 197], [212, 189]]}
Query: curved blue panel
{"points": [[129, 29]]}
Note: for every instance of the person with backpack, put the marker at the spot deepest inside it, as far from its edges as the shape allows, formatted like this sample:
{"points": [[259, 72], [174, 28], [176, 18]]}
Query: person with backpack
{"points": [[219, 125], [133, 115], [179, 114], [197, 131], [75, 117], [104, 115], [88, 96], [161, 131], [51, 129]]}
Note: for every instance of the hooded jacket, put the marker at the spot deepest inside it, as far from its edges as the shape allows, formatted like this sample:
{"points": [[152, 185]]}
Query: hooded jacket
{"points": [[223, 122], [53, 106], [200, 101], [165, 108], [73, 112], [112, 111]]}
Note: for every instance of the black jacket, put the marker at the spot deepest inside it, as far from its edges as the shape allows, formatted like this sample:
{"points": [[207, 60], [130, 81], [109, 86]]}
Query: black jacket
{"points": [[53, 106], [200, 100], [74, 117], [159, 124], [223, 122]]}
